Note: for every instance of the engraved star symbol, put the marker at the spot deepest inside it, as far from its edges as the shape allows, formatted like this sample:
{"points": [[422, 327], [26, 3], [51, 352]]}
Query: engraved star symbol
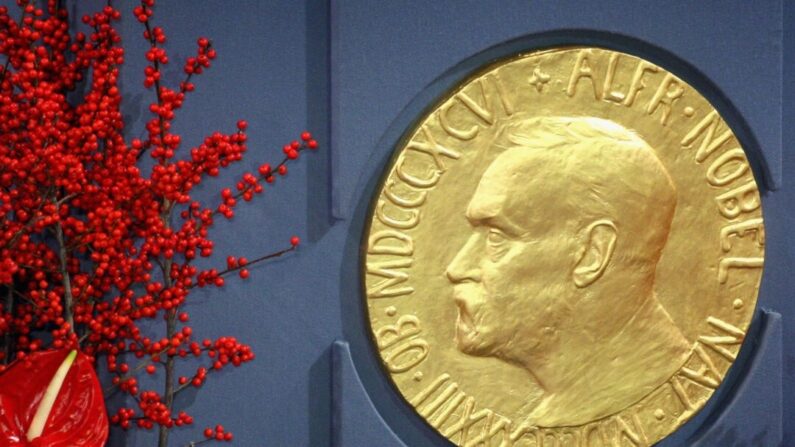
{"points": [[538, 79]]}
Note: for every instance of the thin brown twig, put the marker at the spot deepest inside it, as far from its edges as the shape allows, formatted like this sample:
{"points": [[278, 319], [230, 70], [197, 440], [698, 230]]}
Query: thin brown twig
{"points": [[141, 365], [257, 260]]}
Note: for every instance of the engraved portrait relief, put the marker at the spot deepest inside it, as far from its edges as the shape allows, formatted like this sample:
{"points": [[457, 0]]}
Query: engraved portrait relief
{"points": [[558, 275]]}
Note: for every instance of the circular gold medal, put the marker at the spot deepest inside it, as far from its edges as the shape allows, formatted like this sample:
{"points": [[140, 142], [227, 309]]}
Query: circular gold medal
{"points": [[565, 251]]}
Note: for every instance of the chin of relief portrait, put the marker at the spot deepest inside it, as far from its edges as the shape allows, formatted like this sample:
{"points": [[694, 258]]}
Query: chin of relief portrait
{"points": [[558, 275]]}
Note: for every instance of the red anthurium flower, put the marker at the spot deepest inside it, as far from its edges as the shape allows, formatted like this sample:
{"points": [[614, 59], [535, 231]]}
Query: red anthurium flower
{"points": [[71, 414]]}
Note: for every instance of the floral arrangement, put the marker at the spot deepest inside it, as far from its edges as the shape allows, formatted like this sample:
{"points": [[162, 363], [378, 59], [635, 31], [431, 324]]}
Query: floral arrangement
{"points": [[95, 240]]}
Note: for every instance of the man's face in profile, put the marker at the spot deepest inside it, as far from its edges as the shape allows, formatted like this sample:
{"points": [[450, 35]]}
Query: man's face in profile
{"points": [[512, 278]]}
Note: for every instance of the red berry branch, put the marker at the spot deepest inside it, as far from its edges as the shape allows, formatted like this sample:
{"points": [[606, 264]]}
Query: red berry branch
{"points": [[92, 244]]}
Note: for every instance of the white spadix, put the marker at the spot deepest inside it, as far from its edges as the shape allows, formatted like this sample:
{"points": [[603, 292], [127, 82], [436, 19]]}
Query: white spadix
{"points": [[47, 402]]}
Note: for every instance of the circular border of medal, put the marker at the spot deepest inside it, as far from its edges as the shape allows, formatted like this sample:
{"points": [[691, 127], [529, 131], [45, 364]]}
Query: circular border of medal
{"points": [[391, 337]]}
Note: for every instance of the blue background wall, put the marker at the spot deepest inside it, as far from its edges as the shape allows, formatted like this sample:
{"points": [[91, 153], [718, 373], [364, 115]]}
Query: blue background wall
{"points": [[356, 73]]}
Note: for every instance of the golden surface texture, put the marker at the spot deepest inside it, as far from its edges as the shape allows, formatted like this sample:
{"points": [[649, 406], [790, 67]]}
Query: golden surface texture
{"points": [[566, 250]]}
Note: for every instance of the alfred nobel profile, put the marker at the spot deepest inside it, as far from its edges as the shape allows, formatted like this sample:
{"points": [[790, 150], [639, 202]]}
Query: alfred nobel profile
{"points": [[558, 275]]}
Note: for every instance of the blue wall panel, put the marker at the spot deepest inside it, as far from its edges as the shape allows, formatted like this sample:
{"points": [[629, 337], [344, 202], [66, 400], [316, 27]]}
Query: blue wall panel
{"points": [[357, 73]]}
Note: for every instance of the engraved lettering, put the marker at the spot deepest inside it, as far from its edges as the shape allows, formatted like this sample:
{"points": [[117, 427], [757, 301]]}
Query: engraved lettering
{"points": [[466, 421], [506, 103], [481, 111], [435, 150], [400, 344], [740, 229], [416, 181], [582, 69], [461, 134], [407, 355], [569, 437], [411, 220], [739, 263], [670, 91], [435, 404], [406, 327], [680, 392], [742, 199], [728, 175], [710, 143], [387, 288], [402, 201], [429, 390], [525, 428], [443, 415], [403, 247], [708, 375], [549, 439], [637, 84], [610, 94], [593, 433], [515, 104], [491, 428], [734, 337], [631, 431]]}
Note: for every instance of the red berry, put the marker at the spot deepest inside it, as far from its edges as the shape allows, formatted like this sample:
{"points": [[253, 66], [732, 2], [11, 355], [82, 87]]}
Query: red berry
{"points": [[115, 214], [294, 241], [306, 136]]}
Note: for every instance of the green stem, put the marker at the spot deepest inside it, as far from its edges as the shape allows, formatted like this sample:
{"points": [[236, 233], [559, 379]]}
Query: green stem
{"points": [[67, 282], [8, 306]]}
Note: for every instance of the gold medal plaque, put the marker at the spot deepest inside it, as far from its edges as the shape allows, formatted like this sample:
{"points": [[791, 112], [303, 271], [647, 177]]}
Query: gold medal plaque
{"points": [[566, 250]]}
